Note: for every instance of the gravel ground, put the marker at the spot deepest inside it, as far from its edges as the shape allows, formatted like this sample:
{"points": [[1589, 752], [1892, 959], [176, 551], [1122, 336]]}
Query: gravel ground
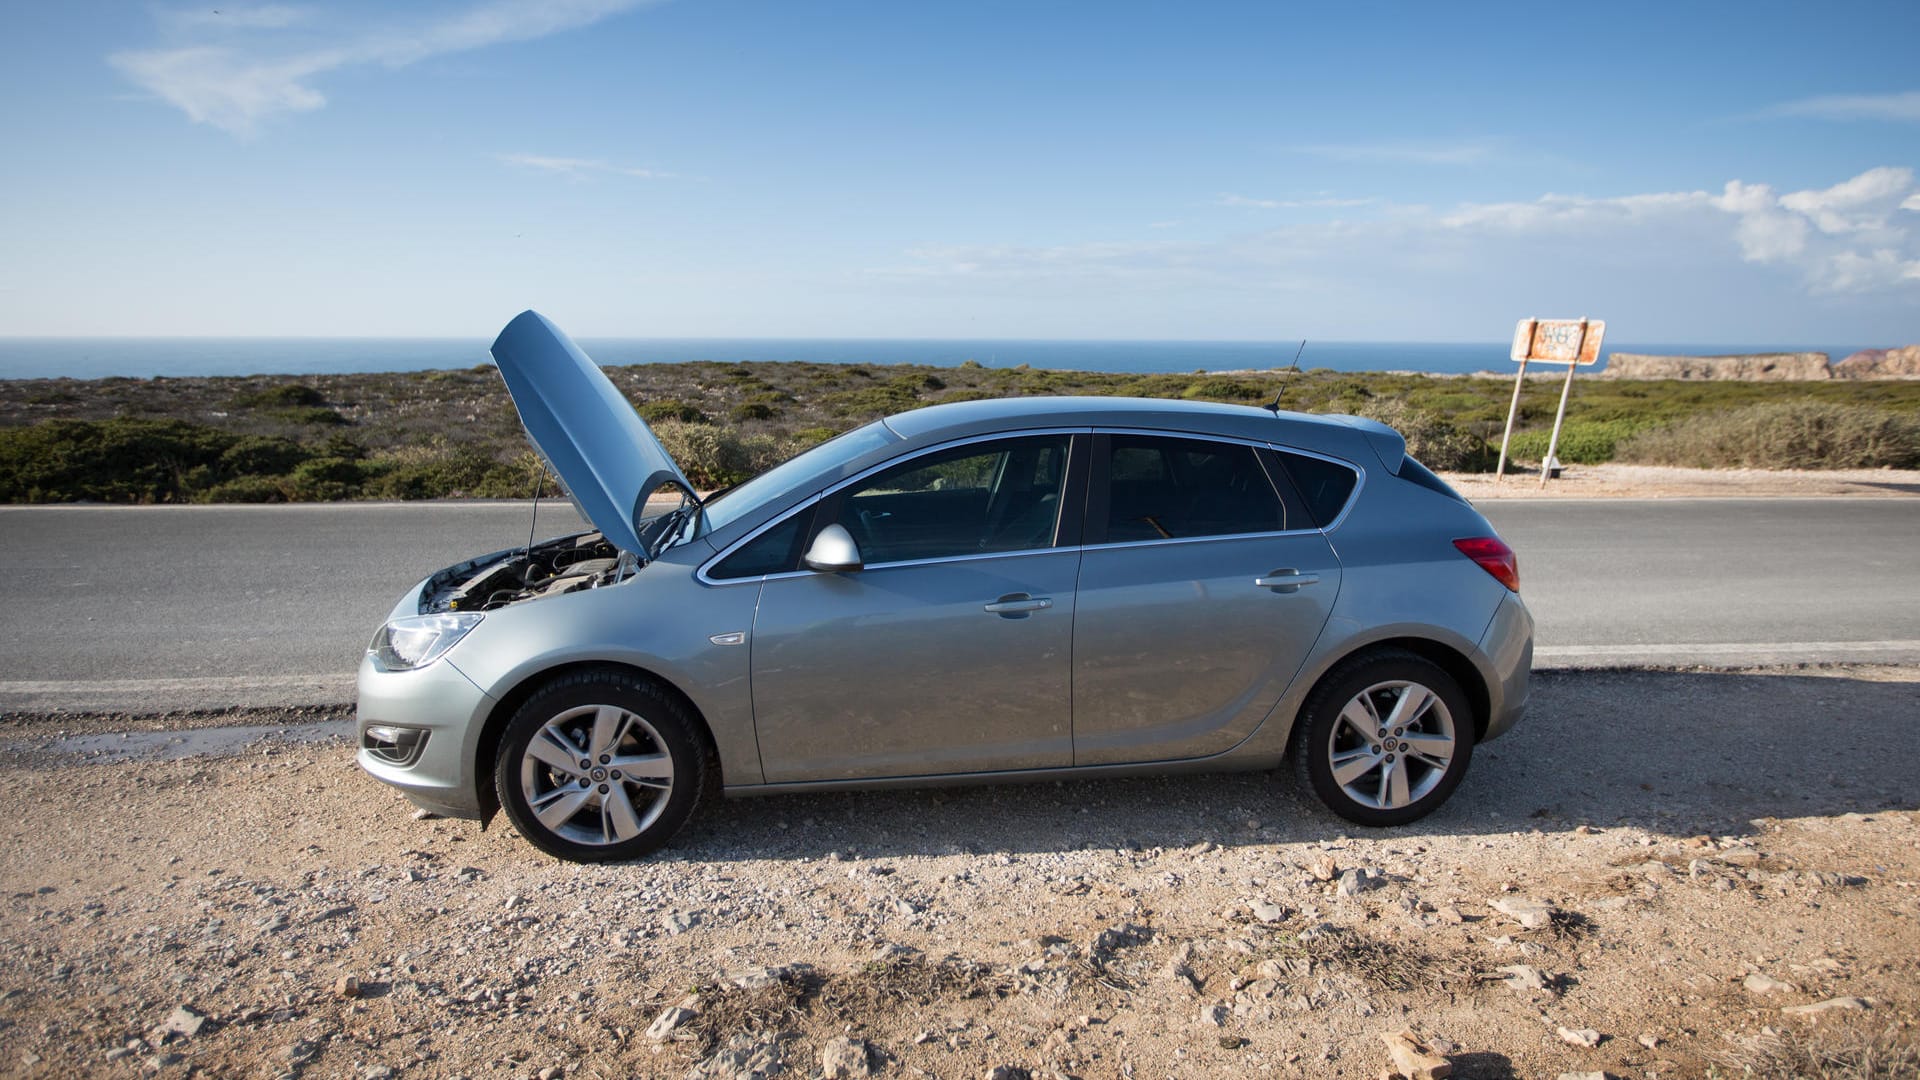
{"points": [[1666, 482], [1659, 873]]}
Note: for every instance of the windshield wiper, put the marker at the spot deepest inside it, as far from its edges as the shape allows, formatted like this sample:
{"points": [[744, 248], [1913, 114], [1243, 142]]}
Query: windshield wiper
{"points": [[670, 524]]}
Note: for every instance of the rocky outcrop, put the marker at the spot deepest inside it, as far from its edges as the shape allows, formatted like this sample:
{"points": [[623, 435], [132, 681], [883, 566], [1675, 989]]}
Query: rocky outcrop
{"points": [[1758, 367], [1903, 363]]}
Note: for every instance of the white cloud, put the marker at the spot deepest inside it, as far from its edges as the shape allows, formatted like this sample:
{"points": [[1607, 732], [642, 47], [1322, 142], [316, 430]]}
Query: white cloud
{"points": [[1898, 106], [579, 168], [1844, 239], [220, 74]]}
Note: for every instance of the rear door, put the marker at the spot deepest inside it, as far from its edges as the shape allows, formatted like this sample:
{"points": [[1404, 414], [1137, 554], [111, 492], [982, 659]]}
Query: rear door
{"points": [[1201, 592]]}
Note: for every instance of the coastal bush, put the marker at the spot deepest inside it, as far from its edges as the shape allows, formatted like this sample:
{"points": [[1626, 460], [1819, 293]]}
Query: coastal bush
{"points": [[1218, 388], [1436, 441], [717, 457], [284, 396], [1585, 442], [110, 460], [752, 410], [1783, 435], [672, 409]]}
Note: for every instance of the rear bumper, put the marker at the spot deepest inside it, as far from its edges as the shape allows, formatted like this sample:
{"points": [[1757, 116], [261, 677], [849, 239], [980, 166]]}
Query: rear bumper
{"points": [[444, 704], [1508, 647]]}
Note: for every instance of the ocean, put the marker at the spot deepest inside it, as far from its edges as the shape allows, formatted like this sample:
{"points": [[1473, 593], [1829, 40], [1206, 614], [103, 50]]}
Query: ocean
{"points": [[93, 358]]}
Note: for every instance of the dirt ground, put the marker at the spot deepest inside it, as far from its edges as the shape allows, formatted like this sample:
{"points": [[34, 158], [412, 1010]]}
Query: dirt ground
{"points": [[1663, 482], [1711, 852]]}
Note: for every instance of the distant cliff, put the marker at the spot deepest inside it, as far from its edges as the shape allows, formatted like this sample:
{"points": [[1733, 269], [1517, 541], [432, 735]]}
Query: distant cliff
{"points": [[1757, 367], [1901, 363]]}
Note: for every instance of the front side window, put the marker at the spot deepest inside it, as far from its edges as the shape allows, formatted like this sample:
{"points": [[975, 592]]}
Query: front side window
{"points": [[775, 551], [971, 500], [1170, 488]]}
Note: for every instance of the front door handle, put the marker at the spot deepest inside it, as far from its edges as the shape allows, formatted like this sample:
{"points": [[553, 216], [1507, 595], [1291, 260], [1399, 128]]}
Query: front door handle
{"points": [[1286, 581], [1018, 604]]}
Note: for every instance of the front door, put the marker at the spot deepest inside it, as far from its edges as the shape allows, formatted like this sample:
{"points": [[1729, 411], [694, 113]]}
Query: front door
{"points": [[949, 650]]}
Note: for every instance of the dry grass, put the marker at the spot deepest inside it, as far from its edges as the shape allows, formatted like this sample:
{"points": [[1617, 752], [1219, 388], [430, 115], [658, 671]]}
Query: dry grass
{"points": [[1850, 1053]]}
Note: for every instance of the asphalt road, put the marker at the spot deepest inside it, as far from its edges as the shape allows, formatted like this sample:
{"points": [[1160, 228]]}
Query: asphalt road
{"points": [[174, 607]]}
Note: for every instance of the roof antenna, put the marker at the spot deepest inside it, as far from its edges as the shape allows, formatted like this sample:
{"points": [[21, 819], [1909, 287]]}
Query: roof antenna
{"points": [[1294, 369]]}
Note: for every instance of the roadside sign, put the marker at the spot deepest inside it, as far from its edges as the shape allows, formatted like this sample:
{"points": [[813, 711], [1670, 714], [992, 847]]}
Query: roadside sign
{"points": [[1573, 342], [1558, 341]]}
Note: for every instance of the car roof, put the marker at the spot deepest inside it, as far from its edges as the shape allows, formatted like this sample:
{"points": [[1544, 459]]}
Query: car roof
{"points": [[1342, 435]]}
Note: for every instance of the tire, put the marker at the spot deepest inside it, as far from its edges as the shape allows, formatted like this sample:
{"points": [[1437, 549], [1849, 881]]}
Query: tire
{"points": [[599, 811], [1376, 780]]}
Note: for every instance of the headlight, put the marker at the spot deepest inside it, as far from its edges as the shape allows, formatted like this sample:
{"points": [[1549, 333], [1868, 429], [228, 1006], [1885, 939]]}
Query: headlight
{"points": [[415, 642]]}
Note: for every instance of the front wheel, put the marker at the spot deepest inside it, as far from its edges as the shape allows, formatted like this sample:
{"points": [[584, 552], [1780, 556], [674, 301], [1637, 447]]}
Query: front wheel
{"points": [[1387, 738], [598, 766]]}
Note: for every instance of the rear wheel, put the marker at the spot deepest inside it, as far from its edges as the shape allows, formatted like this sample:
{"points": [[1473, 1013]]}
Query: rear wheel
{"points": [[1387, 738], [600, 765]]}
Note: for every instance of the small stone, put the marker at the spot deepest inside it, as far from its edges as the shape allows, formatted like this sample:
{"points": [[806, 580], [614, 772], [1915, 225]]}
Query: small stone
{"points": [[1586, 1037], [670, 1019], [676, 923], [347, 986], [744, 1056], [1447, 913], [1740, 856], [1214, 1015], [1651, 1042], [1586, 1076], [182, 1021], [1008, 1072], [1819, 1008], [1415, 1059], [424, 815], [1359, 880], [1268, 912], [552, 1072], [1757, 983], [754, 978], [377, 1072], [1525, 978], [1532, 914], [1324, 868], [844, 1057]]}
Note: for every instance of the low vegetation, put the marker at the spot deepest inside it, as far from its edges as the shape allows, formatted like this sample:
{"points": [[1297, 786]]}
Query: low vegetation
{"points": [[440, 434]]}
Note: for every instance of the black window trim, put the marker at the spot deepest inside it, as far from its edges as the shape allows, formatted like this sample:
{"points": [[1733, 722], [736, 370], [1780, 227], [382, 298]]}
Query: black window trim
{"points": [[1359, 478]]}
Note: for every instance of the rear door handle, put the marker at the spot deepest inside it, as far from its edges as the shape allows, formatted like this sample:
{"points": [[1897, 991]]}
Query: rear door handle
{"points": [[1286, 580], [1018, 603]]}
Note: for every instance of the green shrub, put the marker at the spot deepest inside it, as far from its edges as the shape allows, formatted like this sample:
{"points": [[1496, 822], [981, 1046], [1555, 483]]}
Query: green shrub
{"points": [[716, 457], [671, 409], [1436, 441], [287, 395], [261, 455], [318, 414], [1216, 388], [116, 460], [1582, 442], [752, 410], [248, 489], [1783, 435]]}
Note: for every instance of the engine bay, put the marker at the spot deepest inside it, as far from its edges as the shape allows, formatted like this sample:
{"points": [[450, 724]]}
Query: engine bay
{"points": [[550, 568]]}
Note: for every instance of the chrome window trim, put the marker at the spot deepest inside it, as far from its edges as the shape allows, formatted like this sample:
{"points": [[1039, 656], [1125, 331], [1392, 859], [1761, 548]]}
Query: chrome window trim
{"points": [[1359, 472], [704, 578]]}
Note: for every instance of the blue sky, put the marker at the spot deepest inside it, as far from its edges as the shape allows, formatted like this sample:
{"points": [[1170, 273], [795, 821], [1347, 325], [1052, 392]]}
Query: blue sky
{"points": [[1690, 172]]}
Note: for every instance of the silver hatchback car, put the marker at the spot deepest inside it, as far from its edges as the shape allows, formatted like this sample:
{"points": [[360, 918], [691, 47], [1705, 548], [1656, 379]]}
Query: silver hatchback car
{"points": [[1033, 588]]}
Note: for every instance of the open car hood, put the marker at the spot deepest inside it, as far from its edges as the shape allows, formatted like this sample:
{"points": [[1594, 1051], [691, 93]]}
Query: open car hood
{"points": [[584, 428]]}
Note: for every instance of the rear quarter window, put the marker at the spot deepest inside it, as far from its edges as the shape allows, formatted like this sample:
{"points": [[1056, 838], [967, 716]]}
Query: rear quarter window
{"points": [[1411, 469], [1324, 486]]}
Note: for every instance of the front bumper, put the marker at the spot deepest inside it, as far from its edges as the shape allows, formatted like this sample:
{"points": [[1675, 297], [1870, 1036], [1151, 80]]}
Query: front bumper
{"points": [[1508, 645], [442, 702]]}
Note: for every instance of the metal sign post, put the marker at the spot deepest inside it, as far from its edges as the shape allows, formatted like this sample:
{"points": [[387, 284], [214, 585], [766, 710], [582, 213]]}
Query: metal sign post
{"points": [[1573, 342]]}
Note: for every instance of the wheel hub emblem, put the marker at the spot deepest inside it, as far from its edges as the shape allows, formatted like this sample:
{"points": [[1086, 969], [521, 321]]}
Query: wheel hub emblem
{"points": [[1392, 744], [599, 774]]}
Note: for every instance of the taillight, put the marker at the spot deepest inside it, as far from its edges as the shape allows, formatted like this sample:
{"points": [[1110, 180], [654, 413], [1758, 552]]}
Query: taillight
{"points": [[1494, 556]]}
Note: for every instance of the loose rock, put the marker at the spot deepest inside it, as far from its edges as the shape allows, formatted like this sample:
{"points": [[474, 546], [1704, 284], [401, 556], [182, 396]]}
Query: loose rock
{"points": [[1819, 1008], [347, 986], [670, 1019], [1532, 914], [1761, 984], [1586, 1037], [845, 1057], [1415, 1059]]}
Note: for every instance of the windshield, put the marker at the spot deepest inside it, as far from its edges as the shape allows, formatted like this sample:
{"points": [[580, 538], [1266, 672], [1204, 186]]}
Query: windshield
{"points": [[729, 506]]}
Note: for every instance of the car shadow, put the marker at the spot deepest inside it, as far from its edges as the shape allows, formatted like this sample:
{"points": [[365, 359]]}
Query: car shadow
{"points": [[1678, 753]]}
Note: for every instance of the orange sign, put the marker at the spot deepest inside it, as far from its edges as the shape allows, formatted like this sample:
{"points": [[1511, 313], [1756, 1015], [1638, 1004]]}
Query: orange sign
{"points": [[1558, 341]]}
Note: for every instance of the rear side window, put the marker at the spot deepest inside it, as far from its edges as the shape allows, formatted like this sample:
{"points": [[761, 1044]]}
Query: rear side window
{"points": [[1166, 488], [1324, 486]]}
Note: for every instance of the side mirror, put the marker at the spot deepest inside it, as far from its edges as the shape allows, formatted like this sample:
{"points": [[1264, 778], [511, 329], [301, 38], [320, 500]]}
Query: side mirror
{"points": [[832, 551]]}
